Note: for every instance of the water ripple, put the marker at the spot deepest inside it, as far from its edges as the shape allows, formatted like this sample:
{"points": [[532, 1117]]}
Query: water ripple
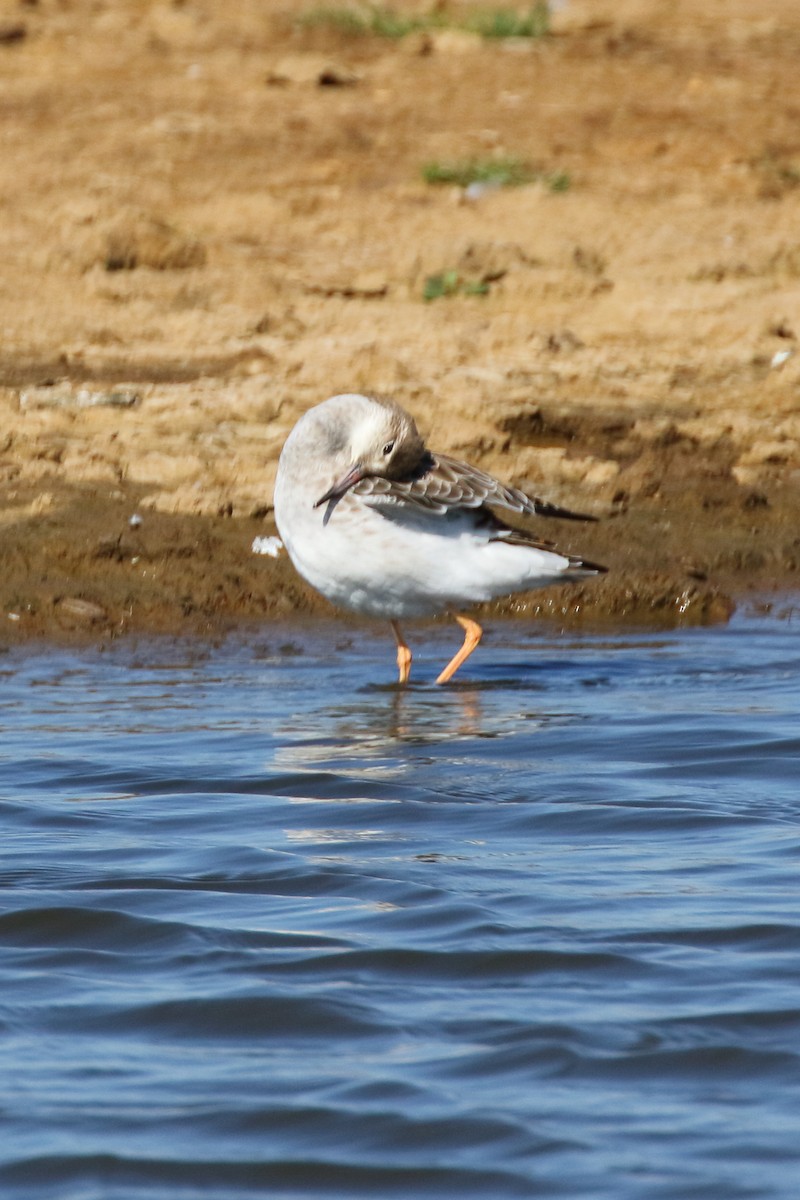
{"points": [[271, 927]]}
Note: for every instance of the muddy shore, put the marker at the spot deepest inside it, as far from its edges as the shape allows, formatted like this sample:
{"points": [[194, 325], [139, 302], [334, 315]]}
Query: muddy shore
{"points": [[212, 220]]}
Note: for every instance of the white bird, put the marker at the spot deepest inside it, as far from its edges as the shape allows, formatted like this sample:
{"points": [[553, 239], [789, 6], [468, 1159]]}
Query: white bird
{"points": [[380, 525]]}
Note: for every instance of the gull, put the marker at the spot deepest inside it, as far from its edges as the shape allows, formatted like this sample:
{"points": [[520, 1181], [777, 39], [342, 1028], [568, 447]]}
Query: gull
{"points": [[384, 527]]}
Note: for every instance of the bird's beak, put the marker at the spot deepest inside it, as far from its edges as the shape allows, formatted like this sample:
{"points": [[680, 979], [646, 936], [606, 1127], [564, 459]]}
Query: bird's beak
{"points": [[341, 486]]}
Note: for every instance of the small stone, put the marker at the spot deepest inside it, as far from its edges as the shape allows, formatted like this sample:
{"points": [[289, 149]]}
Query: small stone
{"points": [[366, 285], [81, 610], [601, 472], [313, 70], [11, 32], [478, 190], [779, 358], [337, 77], [564, 341]]}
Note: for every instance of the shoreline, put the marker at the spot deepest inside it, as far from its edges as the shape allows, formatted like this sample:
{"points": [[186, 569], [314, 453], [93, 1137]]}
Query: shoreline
{"points": [[81, 573], [338, 628], [682, 539]]}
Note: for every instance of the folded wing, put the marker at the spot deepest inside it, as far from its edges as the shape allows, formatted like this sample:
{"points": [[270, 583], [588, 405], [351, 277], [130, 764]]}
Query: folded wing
{"points": [[445, 483]]}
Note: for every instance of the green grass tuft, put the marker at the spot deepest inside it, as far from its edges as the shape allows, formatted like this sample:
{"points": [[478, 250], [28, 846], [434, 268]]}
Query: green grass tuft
{"points": [[505, 172], [502, 172], [506, 23], [357, 22], [450, 283], [558, 181], [375, 20]]}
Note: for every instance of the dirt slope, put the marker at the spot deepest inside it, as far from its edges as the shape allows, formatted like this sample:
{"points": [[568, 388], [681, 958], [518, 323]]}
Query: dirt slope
{"points": [[214, 216]]}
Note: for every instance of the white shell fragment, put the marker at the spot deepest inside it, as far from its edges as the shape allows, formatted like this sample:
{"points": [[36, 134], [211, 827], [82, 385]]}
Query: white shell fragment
{"points": [[779, 358], [271, 546]]}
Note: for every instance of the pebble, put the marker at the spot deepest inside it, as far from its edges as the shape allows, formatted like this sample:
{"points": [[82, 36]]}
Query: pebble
{"points": [[11, 32], [311, 69], [478, 189]]}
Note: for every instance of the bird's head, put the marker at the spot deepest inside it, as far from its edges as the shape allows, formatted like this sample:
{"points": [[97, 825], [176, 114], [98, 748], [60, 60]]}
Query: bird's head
{"points": [[378, 438]]}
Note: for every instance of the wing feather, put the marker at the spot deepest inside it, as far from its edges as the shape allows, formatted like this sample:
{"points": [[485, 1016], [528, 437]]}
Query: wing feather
{"points": [[447, 484], [518, 537]]}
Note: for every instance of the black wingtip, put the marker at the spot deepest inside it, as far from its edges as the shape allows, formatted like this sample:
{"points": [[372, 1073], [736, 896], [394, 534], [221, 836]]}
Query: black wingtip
{"points": [[564, 514]]}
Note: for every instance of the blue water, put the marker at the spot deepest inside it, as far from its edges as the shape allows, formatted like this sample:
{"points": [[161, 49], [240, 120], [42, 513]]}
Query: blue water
{"points": [[272, 928]]}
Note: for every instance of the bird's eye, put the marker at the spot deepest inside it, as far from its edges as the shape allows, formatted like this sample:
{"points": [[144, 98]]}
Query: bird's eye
{"points": [[388, 448]]}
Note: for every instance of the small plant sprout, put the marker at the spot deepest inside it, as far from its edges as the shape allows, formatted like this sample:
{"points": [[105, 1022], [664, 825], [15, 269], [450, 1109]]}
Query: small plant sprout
{"points": [[450, 283], [492, 172], [384, 21]]}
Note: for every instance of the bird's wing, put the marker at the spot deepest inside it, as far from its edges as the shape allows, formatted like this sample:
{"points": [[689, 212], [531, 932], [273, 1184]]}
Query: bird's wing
{"points": [[518, 537], [448, 484]]}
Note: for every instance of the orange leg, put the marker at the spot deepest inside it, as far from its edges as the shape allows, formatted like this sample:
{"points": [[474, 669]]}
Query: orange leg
{"points": [[403, 653], [472, 635]]}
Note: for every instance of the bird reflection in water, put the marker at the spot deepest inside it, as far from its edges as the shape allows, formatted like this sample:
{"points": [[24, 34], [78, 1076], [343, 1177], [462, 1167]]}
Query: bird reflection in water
{"points": [[365, 731], [463, 717]]}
